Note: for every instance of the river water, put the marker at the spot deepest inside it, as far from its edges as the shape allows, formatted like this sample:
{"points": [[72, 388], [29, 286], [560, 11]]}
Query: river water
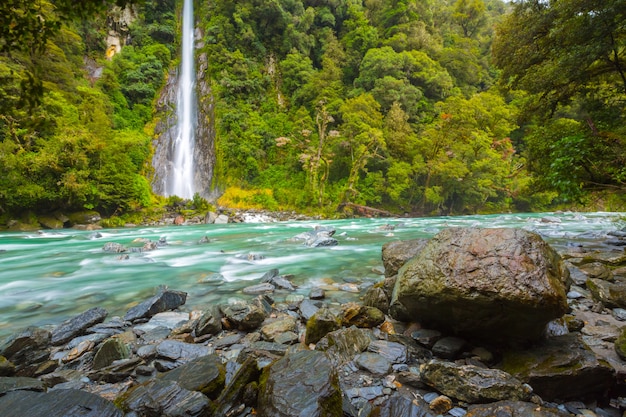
{"points": [[49, 276]]}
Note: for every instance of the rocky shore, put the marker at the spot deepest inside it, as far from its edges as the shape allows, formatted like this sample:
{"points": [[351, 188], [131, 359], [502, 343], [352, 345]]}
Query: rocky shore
{"points": [[473, 322]]}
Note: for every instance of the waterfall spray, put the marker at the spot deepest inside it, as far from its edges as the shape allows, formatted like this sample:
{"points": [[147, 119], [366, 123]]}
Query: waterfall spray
{"points": [[181, 181]]}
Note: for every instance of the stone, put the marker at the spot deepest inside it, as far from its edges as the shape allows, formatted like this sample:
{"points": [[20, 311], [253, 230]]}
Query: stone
{"points": [[317, 294], [497, 285], [82, 348], [320, 324], [287, 338], [168, 319], [272, 330], [562, 368], [611, 294], [221, 219], [77, 325], [426, 337], [110, 351], [259, 288], [597, 270], [10, 384], [373, 362], [205, 374], [57, 403], [514, 409], [114, 247], [238, 389], [283, 283], [181, 351], [400, 405], [620, 344], [344, 344], [473, 384], [165, 300], [577, 276], [354, 314], [209, 322], [26, 349], [392, 351], [304, 383], [448, 347], [375, 296], [308, 308], [396, 253], [7, 368], [164, 398], [248, 316], [441, 404]]}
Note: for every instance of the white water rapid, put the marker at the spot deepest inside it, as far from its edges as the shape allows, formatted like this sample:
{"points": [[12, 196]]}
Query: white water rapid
{"points": [[181, 181]]}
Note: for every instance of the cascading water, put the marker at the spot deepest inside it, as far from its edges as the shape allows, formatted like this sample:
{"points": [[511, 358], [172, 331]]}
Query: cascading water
{"points": [[181, 176], [184, 144]]}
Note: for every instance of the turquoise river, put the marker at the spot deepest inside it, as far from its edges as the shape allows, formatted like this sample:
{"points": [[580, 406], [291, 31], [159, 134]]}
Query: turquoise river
{"points": [[49, 276]]}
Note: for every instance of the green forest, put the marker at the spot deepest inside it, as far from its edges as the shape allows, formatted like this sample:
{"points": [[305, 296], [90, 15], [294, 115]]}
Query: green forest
{"points": [[414, 107]]}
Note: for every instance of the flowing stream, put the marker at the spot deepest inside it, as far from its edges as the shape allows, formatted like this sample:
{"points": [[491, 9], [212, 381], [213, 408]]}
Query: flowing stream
{"points": [[49, 276], [182, 181]]}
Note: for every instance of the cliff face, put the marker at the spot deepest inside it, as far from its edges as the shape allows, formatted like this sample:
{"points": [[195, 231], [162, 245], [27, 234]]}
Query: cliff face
{"points": [[166, 130], [204, 152]]}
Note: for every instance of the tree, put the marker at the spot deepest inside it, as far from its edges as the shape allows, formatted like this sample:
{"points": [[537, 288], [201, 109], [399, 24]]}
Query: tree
{"points": [[26, 26], [561, 49], [569, 57], [470, 16], [469, 159], [362, 136]]}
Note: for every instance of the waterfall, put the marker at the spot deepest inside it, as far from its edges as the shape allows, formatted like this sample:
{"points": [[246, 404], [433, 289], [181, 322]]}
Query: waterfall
{"points": [[184, 144], [181, 181]]}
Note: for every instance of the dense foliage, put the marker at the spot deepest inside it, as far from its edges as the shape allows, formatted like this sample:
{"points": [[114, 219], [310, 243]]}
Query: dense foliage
{"points": [[569, 57], [416, 107], [79, 142], [382, 103]]}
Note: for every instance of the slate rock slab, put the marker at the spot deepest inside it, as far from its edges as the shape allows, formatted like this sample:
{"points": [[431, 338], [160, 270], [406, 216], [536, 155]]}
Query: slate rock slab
{"points": [[58, 403], [472, 384], [562, 367], [304, 383], [77, 325], [514, 409], [205, 374], [165, 300]]}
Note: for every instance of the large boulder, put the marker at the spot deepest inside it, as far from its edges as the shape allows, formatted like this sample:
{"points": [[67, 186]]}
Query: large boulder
{"points": [[497, 285], [304, 383], [397, 252]]}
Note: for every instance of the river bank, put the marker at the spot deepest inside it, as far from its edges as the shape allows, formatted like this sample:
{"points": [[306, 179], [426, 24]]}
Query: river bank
{"points": [[373, 363]]}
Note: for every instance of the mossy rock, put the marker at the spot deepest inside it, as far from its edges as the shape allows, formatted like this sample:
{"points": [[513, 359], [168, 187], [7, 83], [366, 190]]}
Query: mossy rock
{"points": [[620, 344], [320, 324]]}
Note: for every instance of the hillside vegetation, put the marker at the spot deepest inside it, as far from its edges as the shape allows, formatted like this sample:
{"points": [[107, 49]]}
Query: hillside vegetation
{"points": [[418, 107]]}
